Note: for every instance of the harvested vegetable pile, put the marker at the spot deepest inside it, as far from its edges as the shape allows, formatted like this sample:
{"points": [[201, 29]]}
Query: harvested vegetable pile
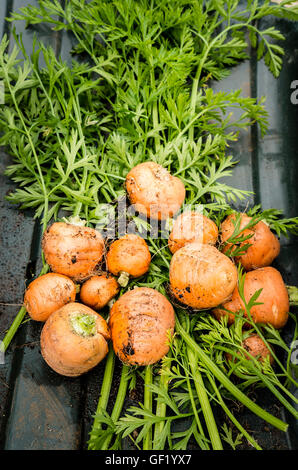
{"points": [[124, 158]]}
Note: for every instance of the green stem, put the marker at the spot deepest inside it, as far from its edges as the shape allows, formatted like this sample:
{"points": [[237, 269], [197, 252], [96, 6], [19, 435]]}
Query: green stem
{"points": [[231, 416], [204, 401], [278, 395], [107, 380], [154, 109], [194, 92], [293, 295], [147, 443], [118, 403], [203, 444], [252, 365], [202, 61], [279, 424], [104, 394], [161, 406], [77, 111], [13, 328], [159, 251]]}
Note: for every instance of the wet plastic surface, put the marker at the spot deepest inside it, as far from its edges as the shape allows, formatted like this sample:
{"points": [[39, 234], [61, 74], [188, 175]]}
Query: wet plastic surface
{"points": [[42, 410]]}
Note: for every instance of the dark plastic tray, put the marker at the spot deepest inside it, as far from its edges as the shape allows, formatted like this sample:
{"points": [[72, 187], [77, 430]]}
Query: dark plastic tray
{"points": [[42, 410]]}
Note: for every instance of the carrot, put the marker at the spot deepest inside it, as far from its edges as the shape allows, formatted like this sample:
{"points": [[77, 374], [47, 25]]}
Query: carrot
{"points": [[255, 347], [48, 293], [201, 276], [153, 191], [128, 256], [140, 322], [97, 291], [74, 339], [273, 298], [73, 250], [192, 227], [265, 246]]}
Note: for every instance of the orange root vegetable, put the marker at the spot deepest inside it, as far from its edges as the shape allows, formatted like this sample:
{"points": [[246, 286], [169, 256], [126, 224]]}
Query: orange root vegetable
{"points": [[265, 246], [97, 291], [192, 227], [202, 277], [255, 347], [234, 305], [74, 339], [48, 293], [73, 250], [140, 322], [273, 298], [153, 191], [128, 256]]}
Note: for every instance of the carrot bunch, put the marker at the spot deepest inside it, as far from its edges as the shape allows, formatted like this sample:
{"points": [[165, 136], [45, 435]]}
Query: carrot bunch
{"points": [[203, 276], [75, 336]]}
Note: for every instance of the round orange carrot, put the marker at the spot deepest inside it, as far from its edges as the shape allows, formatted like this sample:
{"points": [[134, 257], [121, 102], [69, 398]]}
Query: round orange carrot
{"points": [[273, 299], [48, 293], [192, 227], [264, 248], [128, 256], [201, 276], [141, 322], [153, 191], [73, 250], [74, 339], [97, 291]]}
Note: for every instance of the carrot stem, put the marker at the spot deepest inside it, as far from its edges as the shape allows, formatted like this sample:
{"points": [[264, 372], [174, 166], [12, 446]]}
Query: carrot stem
{"points": [[238, 394], [147, 443], [231, 416], [293, 295], [203, 444], [161, 406], [104, 394], [204, 401], [13, 328], [118, 403], [107, 380], [123, 279]]}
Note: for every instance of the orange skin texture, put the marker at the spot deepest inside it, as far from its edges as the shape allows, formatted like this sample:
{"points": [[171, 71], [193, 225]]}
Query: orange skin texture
{"points": [[274, 298], [67, 352], [234, 305], [140, 322], [153, 191], [192, 227], [256, 347], [97, 291], [73, 251], [48, 293], [201, 276], [265, 246], [129, 254]]}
